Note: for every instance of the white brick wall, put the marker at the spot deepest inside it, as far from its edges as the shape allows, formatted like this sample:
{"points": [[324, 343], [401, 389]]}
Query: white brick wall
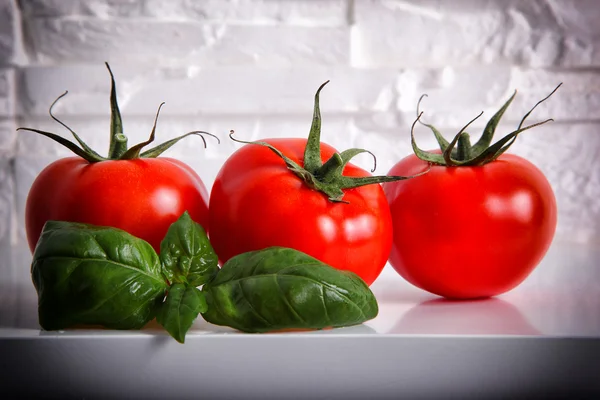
{"points": [[253, 66], [537, 33]]}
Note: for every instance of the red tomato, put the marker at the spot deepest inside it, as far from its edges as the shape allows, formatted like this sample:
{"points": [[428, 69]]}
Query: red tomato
{"points": [[257, 202], [142, 196], [130, 189], [470, 231]]}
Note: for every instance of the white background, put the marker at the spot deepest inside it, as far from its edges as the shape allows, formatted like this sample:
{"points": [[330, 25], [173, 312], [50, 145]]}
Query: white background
{"points": [[254, 65]]}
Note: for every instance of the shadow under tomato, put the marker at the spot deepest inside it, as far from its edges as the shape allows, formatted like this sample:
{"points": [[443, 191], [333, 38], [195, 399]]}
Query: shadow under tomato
{"points": [[490, 316]]}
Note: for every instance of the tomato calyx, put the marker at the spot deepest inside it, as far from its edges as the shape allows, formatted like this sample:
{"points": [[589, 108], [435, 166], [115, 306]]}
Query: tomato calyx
{"points": [[327, 177], [460, 152], [118, 141]]}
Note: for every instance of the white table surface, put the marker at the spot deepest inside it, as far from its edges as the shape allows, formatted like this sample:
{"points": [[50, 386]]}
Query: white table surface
{"points": [[542, 338]]}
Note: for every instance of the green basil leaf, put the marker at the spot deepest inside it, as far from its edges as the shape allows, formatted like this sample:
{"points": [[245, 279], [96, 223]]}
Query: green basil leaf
{"points": [[186, 254], [86, 274], [180, 309], [279, 288]]}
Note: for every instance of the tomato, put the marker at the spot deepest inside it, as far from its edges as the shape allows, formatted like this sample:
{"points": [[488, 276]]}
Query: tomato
{"points": [[302, 194], [477, 223], [130, 189], [141, 196], [467, 232], [256, 202]]}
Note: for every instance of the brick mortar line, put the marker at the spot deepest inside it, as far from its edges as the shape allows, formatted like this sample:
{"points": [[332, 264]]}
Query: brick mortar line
{"points": [[399, 70], [351, 12], [198, 22], [20, 54]]}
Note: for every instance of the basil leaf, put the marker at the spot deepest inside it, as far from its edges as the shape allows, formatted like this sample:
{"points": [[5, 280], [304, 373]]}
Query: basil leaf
{"points": [[180, 309], [86, 274], [279, 288], [186, 254]]}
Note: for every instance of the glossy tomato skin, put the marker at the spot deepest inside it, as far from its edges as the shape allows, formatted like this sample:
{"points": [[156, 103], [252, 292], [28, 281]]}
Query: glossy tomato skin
{"points": [[256, 202], [141, 196], [470, 232]]}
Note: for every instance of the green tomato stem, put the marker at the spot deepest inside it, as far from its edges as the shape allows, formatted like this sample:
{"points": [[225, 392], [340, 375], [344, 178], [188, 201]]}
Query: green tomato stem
{"points": [[482, 152], [118, 141], [326, 177], [117, 146], [464, 147]]}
